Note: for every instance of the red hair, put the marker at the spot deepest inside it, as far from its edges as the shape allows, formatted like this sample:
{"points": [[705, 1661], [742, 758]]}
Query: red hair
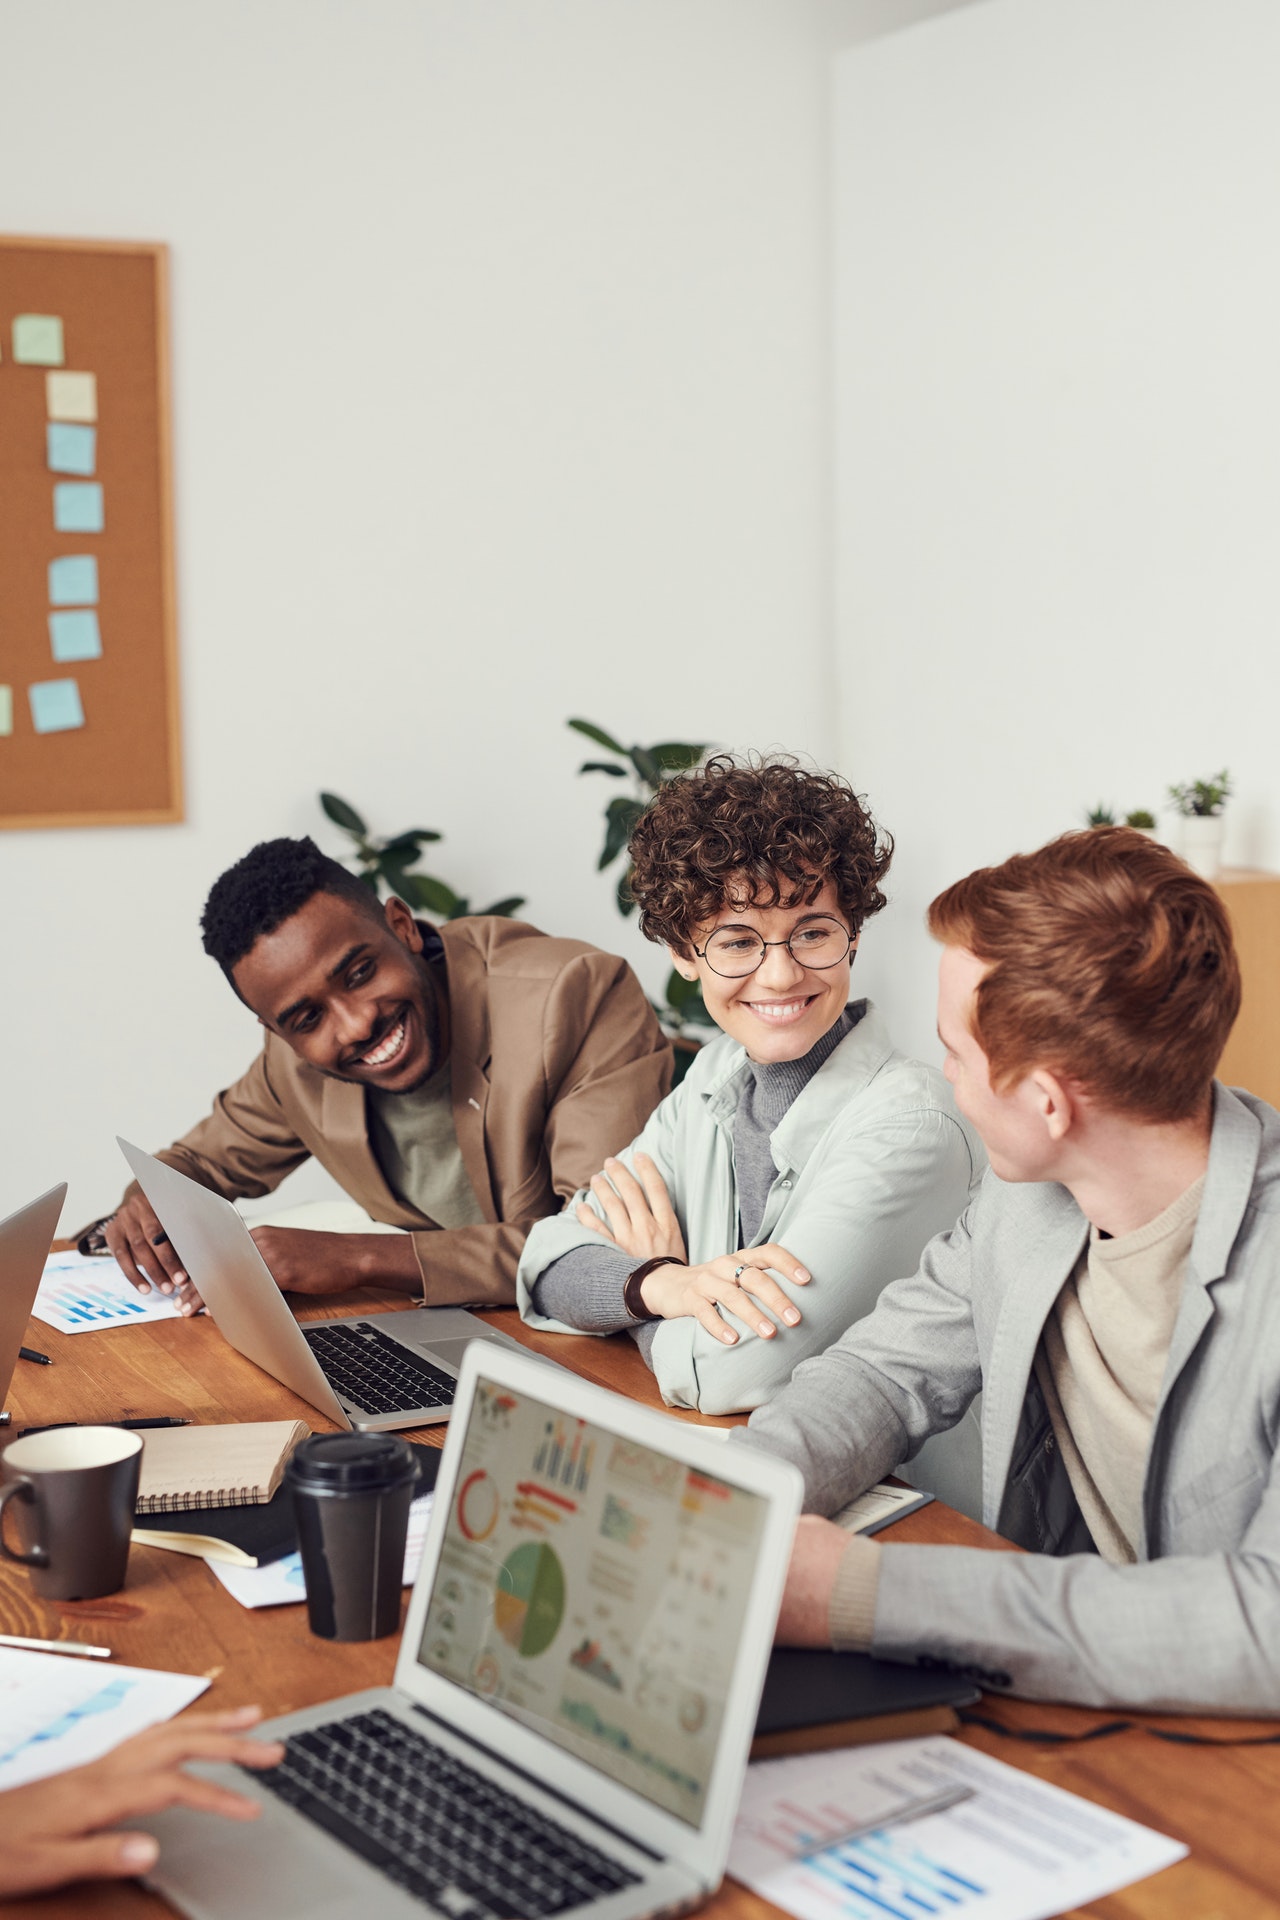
{"points": [[1109, 962]]}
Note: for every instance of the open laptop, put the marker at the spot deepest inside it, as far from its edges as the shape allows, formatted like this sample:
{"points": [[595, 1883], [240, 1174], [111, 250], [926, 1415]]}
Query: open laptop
{"points": [[25, 1239], [375, 1372], [575, 1693]]}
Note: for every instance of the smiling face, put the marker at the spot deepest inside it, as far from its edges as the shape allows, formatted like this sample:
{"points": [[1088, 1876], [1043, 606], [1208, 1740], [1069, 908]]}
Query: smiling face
{"points": [[350, 992], [782, 1009]]}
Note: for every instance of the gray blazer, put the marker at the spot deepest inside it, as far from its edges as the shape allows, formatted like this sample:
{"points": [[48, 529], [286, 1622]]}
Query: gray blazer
{"points": [[1196, 1623]]}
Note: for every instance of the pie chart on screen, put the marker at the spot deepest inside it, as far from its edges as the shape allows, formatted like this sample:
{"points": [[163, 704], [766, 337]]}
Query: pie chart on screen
{"points": [[528, 1600], [477, 1506]]}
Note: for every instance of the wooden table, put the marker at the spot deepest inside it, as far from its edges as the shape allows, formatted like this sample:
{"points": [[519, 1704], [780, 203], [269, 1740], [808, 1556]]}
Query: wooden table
{"points": [[174, 1614]]}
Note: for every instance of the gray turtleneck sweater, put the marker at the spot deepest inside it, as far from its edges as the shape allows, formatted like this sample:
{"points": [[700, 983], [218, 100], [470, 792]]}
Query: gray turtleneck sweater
{"points": [[584, 1288]]}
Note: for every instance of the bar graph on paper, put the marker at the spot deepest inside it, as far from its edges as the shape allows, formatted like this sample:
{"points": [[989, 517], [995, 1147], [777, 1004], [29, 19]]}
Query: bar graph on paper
{"points": [[1014, 1848], [83, 1294]]}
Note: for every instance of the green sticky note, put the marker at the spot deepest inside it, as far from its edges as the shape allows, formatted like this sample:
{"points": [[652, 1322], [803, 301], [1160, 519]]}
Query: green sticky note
{"points": [[37, 340], [6, 710], [55, 706]]}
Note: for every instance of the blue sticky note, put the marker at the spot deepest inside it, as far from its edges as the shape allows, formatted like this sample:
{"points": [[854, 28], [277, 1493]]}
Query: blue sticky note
{"points": [[77, 506], [55, 706], [70, 449], [75, 636], [73, 581]]}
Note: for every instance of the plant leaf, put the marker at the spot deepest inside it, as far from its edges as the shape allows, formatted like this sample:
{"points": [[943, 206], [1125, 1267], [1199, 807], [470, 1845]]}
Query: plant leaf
{"points": [[676, 756], [343, 815], [504, 909], [432, 896], [622, 894], [603, 766], [621, 813], [458, 909], [598, 734], [647, 767], [409, 842]]}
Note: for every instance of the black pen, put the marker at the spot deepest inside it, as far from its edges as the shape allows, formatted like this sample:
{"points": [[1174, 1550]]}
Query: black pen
{"points": [[29, 1353], [131, 1425]]}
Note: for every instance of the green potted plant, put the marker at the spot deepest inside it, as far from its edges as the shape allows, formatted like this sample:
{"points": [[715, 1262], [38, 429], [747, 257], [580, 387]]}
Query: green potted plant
{"points": [[1200, 805], [1142, 821], [390, 865], [1100, 816], [645, 769]]}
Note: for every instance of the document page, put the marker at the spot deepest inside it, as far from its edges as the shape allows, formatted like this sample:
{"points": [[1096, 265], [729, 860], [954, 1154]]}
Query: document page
{"points": [[83, 1293], [56, 1712], [1016, 1849], [596, 1590]]}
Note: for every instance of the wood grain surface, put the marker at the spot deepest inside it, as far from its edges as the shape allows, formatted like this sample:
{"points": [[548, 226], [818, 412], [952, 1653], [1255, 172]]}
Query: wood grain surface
{"points": [[172, 1613]]}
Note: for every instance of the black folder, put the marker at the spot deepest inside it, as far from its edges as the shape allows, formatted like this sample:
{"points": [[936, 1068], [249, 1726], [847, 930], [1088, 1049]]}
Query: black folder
{"points": [[814, 1698]]}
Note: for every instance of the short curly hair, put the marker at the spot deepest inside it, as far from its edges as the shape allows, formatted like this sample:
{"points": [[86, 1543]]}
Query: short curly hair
{"points": [[267, 887], [755, 832]]}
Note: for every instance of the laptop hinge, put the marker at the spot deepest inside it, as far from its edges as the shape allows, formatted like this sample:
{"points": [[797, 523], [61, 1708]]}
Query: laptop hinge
{"points": [[543, 1786]]}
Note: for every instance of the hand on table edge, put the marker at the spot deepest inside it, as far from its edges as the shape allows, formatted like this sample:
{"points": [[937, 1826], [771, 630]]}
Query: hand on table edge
{"points": [[52, 1825]]}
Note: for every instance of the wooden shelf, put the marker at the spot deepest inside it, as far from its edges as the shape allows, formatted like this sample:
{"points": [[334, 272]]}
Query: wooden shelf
{"points": [[1252, 1055]]}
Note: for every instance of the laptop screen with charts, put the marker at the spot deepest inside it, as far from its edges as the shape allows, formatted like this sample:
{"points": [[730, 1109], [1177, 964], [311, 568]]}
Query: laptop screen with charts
{"points": [[575, 1693], [595, 1589]]}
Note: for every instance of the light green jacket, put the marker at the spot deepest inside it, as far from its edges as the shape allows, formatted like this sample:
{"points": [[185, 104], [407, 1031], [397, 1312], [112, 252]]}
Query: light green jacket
{"points": [[872, 1160]]}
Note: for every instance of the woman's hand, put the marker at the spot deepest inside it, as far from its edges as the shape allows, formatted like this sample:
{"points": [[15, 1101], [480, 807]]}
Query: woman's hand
{"points": [[639, 1216], [53, 1827], [736, 1283]]}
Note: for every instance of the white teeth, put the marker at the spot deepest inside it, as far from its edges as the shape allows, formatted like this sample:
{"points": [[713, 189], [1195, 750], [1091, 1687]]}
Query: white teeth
{"points": [[388, 1050], [777, 1009]]}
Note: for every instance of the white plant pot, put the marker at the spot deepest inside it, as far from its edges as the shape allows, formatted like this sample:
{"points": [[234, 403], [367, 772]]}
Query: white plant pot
{"points": [[1202, 844]]}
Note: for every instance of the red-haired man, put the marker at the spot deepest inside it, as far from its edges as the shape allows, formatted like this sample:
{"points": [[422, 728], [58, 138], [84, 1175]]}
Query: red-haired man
{"points": [[1114, 1293]]}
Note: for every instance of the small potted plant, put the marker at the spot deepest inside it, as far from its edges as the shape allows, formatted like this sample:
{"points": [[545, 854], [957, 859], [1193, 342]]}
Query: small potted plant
{"points": [[1200, 804], [1142, 822], [1100, 816]]}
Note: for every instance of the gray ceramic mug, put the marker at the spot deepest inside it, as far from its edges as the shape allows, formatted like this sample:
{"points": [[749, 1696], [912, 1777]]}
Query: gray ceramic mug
{"points": [[71, 1493]]}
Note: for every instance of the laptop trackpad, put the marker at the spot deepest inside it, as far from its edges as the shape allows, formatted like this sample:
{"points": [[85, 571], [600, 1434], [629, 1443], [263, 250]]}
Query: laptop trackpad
{"points": [[451, 1351]]}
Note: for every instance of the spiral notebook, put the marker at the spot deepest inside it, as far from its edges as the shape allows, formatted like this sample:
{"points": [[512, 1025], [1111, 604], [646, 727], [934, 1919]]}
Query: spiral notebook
{"points": [[186, 1469]]}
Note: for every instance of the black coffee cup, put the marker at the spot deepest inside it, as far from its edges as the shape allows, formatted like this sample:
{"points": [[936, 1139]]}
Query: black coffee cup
{"points": [[72, 1493], [352, 1493]]}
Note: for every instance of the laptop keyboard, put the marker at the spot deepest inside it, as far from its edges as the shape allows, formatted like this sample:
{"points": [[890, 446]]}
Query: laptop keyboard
{"points": [[435, 1826], [377, 1374]]}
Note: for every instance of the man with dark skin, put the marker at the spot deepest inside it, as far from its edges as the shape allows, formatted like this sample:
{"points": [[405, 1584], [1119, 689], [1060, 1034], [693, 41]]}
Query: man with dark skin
{"points": [[459, 1083]]}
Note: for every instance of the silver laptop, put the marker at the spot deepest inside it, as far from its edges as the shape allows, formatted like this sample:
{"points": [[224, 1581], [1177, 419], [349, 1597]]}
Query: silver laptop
{"points": [[374, 1373], [25, 1239], [575, 1694]]}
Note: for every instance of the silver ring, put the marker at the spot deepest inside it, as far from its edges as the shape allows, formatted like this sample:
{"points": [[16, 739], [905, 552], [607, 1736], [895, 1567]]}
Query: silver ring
{"points": [[738, 1272]]}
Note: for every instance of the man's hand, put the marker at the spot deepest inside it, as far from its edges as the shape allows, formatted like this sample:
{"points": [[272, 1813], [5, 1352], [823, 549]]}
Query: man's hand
{"points": [[639, 1216], [816, 1554], [143, 1249], [53, 1828], [305, 1262]]}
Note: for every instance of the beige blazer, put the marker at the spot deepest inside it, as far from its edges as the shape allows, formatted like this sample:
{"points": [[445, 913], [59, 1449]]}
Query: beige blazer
{"points": [[557, 1058]]}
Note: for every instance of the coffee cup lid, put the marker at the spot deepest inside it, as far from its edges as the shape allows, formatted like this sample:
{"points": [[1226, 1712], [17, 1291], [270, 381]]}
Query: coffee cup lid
{"points": [[351, 1463]]}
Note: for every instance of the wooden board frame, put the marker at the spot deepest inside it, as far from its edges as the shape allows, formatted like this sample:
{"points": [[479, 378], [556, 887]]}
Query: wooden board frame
{"points": [[150, 759]]}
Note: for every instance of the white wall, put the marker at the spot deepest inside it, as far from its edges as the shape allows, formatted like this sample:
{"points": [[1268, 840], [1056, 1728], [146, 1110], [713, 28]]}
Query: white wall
{"points": [[1057, 300], [499, 337]]}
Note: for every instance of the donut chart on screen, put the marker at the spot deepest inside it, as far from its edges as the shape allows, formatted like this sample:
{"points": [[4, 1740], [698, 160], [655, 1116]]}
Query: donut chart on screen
{"points": [[477, 1506]]}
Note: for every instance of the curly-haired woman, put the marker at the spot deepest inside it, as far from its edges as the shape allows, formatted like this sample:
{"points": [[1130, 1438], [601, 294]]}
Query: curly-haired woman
{"points": [[803, 1163]]}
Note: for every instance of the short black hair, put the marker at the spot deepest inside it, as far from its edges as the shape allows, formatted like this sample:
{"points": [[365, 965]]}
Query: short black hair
{"points": [[267, 887]]}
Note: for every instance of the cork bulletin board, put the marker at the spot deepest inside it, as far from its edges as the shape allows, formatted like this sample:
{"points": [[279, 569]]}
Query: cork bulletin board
{"points": [[89, 717]]}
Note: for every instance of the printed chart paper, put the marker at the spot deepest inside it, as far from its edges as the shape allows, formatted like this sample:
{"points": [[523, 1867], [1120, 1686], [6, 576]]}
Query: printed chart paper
{"points": [[1017, 1850], [57, 1713], [80, 1293], [280, 1583]]}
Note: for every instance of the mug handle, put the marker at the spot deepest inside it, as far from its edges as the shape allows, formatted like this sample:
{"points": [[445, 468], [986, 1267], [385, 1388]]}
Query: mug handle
{"points": [[37, 1556]]}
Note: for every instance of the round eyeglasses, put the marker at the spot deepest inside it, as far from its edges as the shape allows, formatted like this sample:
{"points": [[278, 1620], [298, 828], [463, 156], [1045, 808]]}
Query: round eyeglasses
{"points": [[734, 952]]}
